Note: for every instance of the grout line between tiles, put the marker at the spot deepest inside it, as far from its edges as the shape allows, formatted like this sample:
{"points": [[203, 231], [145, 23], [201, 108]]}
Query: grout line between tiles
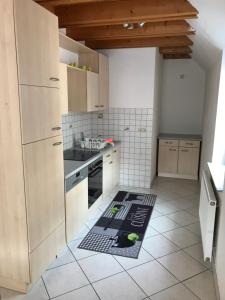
{"points": [[45, 287]]}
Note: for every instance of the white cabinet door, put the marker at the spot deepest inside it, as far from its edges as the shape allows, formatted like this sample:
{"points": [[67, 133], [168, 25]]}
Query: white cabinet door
{"points": [[188, 161], [167, 160], [76, 208]]}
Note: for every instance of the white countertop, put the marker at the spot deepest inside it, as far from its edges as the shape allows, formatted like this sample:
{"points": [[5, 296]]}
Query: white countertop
{"points": [[217, 172], [176, 136]]}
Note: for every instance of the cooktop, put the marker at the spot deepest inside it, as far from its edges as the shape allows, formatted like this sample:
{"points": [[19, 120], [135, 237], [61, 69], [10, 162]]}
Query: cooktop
{"points": [[79, 155]]}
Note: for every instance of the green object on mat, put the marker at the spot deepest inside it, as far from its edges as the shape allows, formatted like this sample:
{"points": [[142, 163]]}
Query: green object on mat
{"points": [[114, 210], [133, 237]]}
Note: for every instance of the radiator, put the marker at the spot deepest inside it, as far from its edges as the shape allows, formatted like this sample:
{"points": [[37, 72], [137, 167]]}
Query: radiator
{"points": [[207, 213]]}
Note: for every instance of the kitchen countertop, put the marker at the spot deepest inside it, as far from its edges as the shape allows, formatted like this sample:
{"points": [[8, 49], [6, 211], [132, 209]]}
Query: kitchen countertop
{"points": [[175, 136], [71, 167], [217, 172]]}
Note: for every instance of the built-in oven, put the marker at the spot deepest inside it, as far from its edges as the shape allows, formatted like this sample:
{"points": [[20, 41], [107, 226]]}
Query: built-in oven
{"points": [[95, 181]]}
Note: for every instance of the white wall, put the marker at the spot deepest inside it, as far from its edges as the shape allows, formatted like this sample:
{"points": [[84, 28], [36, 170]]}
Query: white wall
{"points": [[210, 110], [183, 86], [219, 141], [131, 75], [156, 112]]}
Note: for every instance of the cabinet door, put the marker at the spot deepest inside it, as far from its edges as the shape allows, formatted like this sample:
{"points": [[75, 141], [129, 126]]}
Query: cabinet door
{"points": [[103, 82], [107, 177], [167, 160], [77, 90], [188, 161], [44, 187], [37, 41], [115, 167], [40, 113], [76, 208], [63, 90], [92, 91]]}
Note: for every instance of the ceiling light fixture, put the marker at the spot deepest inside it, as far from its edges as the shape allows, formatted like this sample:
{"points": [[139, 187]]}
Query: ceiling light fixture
{"points": [[141, 24], [128, 25]]}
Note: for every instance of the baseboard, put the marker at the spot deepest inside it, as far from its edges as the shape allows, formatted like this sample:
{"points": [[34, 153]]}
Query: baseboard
{"points": [[215, 279], [12, 284], [171, 175]]}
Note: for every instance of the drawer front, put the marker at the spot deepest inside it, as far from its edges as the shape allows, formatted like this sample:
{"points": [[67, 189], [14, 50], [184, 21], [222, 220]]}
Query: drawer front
{"points": [[191, 144], [168, 143], [107, 157]]}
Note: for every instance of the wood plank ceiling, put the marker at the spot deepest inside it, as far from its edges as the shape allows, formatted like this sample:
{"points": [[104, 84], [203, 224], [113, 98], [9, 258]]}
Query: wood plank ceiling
{"points": [[150, 23]]}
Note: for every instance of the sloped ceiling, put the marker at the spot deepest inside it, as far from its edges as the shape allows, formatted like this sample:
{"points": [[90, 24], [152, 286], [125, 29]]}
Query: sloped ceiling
{"points": [[210, 31]]}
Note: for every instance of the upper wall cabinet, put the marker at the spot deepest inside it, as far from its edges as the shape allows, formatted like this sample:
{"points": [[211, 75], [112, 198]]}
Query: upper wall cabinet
{"points": [[83, 91], [37, 41], [103, 82]]}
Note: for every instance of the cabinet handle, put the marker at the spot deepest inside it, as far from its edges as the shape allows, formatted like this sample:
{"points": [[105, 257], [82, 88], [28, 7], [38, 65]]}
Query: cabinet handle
{"points": [[101, 105], [191, 144], [97, 106], [54, 79], [108, 155], [57, 144], [114, 151], [56, 128], [110, 162], [172, 149], [184, 150]]}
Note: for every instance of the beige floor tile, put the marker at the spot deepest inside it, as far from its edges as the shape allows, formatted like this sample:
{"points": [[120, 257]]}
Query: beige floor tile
{"points": [[182, 237], [176, 292], [194, 211], [64, 279], [65, 257], [166, 208], [202, 285], [118, 287], [84, 293], [155, 214], [195, 228], [91, 223], [128, 263], [182, 203], [82, 233], [38, 292], [181, 265], [100, 266], [182, 218], [159, 246], [163, 224], [150, 232], [95, 214], [80, 253], [197, 253], [152, 277]]}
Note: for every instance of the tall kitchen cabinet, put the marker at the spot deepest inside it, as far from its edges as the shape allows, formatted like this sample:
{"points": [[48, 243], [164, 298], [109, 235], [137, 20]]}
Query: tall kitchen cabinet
{"points": [[32, 218]]}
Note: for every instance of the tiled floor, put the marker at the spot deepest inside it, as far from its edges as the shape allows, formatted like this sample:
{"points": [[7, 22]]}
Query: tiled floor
{"points": [[170, 265]]}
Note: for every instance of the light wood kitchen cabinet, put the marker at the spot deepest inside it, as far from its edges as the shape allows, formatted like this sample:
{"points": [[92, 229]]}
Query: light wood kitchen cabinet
{"points": [[168, 158], [188, 161], [31, 175], [103, 82], [115, 167], [44, 178], [179, 158], [83, 91], [63, 89], [76, 209], [40, 113], [37, 41], [111, 170]]}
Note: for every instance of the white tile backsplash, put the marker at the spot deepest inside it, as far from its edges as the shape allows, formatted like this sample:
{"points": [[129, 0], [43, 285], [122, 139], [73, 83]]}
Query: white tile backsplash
{"points": [[133, 127]]}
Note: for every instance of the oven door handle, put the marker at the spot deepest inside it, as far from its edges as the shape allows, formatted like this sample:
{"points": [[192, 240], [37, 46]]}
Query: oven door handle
{"points": [[95, 172]]}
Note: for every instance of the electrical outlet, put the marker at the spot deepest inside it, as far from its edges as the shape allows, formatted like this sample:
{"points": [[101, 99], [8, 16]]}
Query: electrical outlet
{"points": [[141, 129]]}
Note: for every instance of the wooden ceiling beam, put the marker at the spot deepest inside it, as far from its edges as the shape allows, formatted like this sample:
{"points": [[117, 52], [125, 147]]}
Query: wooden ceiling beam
{"points": [[175, 50], [176, 56], [66, 2], [158, 29], [140, 43], [119, 12]]}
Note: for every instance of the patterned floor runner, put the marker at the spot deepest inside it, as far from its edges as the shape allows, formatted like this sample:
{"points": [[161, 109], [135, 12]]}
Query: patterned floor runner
{"points": [[121, 228]]}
